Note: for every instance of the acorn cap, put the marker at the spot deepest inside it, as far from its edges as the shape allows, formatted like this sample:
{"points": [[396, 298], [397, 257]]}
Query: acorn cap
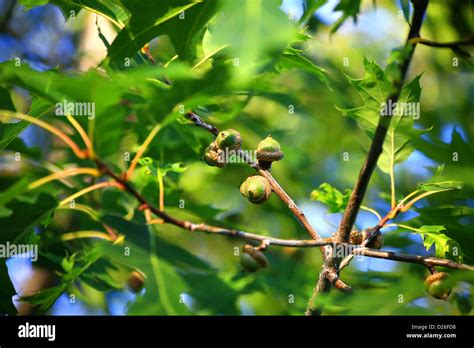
{"points": [[256, 189], [229, 138], [212, 156], [268, 150], [356, 237]]}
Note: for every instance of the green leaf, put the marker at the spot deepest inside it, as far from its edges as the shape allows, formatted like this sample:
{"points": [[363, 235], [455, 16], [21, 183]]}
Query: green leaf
{"points": [[310, 7], [457, 156], [54, 89], [181, 20], [439, 183], [397, 146], [74, 268], [25, 216], [349, 8], [32, 3], [6, 102], [374, 89], [444, 245], [9, 131], [109, 9], [332, 197], [152, 168], [163, 285], [262, 29], [294, 59], [11, 193]]}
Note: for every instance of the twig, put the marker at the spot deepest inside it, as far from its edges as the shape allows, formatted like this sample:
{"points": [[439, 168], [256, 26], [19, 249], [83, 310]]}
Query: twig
{"points": [[427, 261], [454, 44], [201, 227], [376, 148], [200, 123]]}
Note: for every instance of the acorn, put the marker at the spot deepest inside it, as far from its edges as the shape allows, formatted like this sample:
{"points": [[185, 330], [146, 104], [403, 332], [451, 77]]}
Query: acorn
{"points": [[252, 259], [257, 255], [213, 156], [229, 139], [268, 151], [356, 237], [256, 189], [439, 285], [248, 263], [136, 281], [376, 242]]}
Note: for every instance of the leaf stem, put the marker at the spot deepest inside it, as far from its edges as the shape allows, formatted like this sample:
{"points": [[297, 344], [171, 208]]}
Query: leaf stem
{"points": [[89, 189], [141, 150], [161, 187], [83, 134], [74, 147], [373, 211], [62, 174], [86, 234], [392, 173], [416, 199]]}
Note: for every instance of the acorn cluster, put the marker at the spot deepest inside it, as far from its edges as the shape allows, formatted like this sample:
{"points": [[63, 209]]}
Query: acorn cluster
{"points": [[252, 259], [257, 189]]}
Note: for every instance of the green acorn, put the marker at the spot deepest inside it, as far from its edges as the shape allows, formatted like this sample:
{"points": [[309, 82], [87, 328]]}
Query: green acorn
{"points": [[439, 285], [256, 189], [252, 259], [229, 139], [257, 255], [213, 156], [136, 281], [248, 263], [268, 151]]}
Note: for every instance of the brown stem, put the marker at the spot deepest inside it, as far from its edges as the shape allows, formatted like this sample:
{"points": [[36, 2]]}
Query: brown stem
{"points": [[427, 261], [453, 44], [376, 148]]}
